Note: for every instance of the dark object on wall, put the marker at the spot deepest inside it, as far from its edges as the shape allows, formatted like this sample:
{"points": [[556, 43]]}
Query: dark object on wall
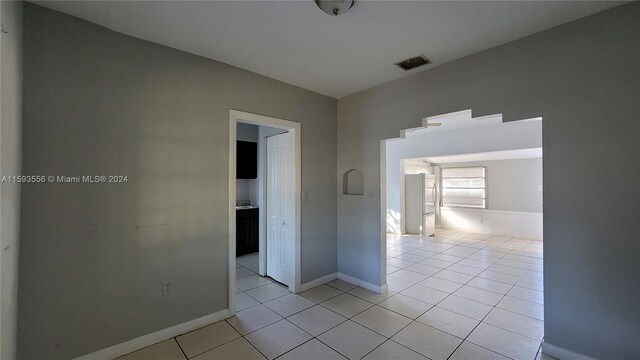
{"points": [[247, 160], [246, 231]]}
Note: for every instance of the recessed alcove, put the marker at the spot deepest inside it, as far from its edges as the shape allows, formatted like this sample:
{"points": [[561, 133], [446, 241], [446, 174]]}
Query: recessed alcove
{"points": [[353, 182]]}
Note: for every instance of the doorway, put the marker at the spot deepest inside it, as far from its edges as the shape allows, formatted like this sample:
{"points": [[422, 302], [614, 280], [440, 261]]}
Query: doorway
{"points": [[269, 208], [453, 140], [483, 269]]}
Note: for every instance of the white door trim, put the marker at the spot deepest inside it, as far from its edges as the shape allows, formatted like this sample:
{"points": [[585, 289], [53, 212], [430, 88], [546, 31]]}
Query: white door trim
{"points": [[234, 118], [383, 214]]}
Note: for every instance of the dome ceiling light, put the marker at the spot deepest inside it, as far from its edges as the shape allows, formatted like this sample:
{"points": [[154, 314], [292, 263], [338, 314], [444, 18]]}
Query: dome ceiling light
{"points": [[335, 7]]}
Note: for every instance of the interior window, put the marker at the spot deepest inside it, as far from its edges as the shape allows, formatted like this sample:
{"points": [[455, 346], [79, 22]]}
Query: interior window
{"points": [[464, 187]]}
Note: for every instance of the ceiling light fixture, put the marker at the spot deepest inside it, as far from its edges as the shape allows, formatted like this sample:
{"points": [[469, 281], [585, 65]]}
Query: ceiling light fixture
{"points": [[335, 7]]}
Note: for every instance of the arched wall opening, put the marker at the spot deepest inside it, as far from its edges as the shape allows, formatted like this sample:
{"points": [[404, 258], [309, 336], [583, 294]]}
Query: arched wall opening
{"points": [[462, 140]]}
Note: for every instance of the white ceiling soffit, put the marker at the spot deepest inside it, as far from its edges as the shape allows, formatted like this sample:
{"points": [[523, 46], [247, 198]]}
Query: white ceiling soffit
{"points": [[487, 156], [295, 42], [459, 120]]}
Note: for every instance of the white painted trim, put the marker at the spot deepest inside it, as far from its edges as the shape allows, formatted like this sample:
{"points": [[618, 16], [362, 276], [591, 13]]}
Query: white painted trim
{"points": [[362, 283], [317, 282], [156, 337], [262, 201], [383, 214], [562, 353], [232, 215], [244, 117]]}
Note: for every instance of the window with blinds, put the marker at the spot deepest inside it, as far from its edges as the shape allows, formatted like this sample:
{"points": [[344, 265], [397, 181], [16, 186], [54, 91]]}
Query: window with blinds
{"points": [[464, 187]]}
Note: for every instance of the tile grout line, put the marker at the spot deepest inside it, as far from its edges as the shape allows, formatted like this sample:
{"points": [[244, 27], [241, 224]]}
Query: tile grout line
{"points": [[493, 306], [498, 326], [244, 336], [180, 347], [348, 319], [416, 319], [479, 322], [482, 321], [315, 337], [286, 318], [333, 327], [250, 343]]}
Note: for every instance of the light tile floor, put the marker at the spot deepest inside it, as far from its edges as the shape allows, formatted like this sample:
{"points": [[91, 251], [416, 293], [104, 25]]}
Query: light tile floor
{"points": [[454, 296]]}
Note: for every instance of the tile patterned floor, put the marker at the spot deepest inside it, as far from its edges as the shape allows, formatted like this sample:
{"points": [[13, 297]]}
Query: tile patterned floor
{"points": [[455, 296]]}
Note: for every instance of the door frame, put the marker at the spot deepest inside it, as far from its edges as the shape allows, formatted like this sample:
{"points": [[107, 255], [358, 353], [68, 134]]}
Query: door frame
{"points": [[235, 117]]}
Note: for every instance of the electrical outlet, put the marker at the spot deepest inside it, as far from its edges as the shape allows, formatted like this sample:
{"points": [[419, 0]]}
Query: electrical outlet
{"points": [[305, 196], [166, 289], [371, 193]]}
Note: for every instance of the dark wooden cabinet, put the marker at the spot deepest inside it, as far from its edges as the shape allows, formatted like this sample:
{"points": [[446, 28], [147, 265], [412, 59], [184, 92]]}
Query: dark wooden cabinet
{"points": [[246, 160], [246, 231]]}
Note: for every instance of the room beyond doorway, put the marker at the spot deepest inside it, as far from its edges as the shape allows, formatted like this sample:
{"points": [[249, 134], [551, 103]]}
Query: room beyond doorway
{"points": [[445, 142], [480, 269], [254, 186], [490, 193]]}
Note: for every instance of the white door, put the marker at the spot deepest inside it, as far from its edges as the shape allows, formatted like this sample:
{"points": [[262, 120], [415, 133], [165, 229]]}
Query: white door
{"points": [[280, 207]]}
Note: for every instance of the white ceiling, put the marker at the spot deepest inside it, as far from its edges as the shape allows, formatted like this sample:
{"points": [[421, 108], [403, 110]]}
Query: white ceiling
{"points": [[295, 42]]}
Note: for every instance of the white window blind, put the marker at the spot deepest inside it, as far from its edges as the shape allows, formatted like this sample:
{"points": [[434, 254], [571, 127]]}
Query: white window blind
{"points": [[464, 187]]}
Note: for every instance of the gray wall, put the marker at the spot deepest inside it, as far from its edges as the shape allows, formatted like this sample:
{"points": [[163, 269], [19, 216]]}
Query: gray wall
{"points": [[93, 257], [247, 132], [512, 185], [11, 105], [243, 189], [582, 78]]}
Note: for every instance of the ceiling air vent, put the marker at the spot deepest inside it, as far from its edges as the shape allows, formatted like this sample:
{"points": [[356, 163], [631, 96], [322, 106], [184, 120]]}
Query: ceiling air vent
{"points": [[412, 63]]}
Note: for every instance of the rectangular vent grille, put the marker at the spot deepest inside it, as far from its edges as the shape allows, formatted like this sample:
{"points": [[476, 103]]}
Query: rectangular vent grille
{"points": [[413, 63]]}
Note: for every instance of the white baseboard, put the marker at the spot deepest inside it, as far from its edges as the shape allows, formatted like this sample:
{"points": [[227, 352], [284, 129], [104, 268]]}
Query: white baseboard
{"points": [[362, 283], [317, 282], [562, 353], [156, 337]]}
